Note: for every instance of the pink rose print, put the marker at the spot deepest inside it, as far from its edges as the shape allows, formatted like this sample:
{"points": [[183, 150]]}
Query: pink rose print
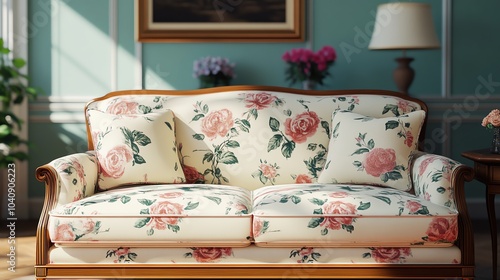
{"points": [[306, 251], [379, 161], [442, 229], [413, 206], [409, 139], [302, 126], [192, 175], [338, 208], [447, 171], [241, 207], [210, 255], [390, 255], [303, 179], [122, 251], [355, 100], [79, 170], [79, 195], [170, 195], [403, 106], [424, 164], [113, 164], [338, 194], [427, 196], [444, 173], [217, 123], [89, 225], [122, 254], [305, 254], [122, 107], [259, 100], [268, 171], [73, 164], [170, 212], [259, 227], [64, 232]]}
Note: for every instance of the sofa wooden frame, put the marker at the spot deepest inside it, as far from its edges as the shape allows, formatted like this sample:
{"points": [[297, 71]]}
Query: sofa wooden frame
{"points": [[465, 270]]}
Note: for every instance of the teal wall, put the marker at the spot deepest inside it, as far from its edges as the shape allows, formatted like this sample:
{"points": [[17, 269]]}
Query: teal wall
{"points": [[73, 57], [476, 42]]}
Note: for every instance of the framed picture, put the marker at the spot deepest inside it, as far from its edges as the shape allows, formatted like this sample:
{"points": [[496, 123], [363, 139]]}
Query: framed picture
{"points": [[220, 20]]}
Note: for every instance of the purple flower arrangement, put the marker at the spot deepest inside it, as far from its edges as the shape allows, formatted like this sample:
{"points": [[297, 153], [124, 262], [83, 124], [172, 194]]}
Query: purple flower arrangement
{"points": [[213, 71], [306, 65]]}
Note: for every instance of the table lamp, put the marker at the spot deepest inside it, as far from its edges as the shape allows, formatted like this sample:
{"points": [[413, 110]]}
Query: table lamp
{"points": [[404, 26]]}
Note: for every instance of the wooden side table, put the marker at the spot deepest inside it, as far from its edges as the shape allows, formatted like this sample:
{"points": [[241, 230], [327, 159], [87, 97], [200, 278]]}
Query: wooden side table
{"points": [[487, 171]]}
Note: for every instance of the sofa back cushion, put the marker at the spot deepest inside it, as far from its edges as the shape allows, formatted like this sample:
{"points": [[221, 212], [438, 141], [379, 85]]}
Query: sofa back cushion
{"points": [[253, 138]]}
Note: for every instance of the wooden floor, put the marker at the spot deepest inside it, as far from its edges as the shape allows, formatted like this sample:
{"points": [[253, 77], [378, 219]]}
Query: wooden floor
{"points": [[25, 251]]}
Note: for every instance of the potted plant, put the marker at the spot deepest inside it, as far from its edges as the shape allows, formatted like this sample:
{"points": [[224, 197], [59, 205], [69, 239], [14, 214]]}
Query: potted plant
{"points": [[213, 71], [13, 91]]}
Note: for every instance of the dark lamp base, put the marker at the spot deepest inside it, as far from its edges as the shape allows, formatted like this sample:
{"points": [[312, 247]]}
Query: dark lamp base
{"points": [[403, 74]]}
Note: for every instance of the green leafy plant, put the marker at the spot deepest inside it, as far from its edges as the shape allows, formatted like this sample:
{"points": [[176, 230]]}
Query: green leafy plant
{"points": [[13, 91]]}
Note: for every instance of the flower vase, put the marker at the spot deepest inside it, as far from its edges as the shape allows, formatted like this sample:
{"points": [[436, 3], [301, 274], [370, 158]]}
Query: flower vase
{"points": [[210, 81], [495, 144], [309, 85], [206, 83]]}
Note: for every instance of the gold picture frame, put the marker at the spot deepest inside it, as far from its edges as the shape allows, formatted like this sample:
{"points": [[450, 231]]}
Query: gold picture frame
{"points": [[220, 20]]}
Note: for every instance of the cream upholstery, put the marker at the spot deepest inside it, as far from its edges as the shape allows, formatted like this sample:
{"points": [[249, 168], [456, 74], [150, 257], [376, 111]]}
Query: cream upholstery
{"points": [[242, 177]]}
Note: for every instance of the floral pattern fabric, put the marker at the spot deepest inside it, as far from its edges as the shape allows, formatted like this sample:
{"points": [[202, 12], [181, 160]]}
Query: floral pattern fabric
{"points": [[135, 149], [349, 215], [367, 150], [254, 138], [275, 144], [169, 213], [77, 176], [302, 214], [256, 255], [432, 178]]}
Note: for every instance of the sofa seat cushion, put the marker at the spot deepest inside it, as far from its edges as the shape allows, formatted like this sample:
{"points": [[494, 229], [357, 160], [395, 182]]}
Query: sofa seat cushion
{"points": [[255, 255], [334, 215], [158, 215]]}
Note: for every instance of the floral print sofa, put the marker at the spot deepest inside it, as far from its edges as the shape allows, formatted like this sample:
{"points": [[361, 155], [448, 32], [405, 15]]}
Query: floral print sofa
{"points": [[255, 182]]}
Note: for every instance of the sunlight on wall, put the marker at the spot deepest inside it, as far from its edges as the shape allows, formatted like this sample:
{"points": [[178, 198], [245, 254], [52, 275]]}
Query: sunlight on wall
{"points": [[80, 54], [156, 78], [86, 56]]}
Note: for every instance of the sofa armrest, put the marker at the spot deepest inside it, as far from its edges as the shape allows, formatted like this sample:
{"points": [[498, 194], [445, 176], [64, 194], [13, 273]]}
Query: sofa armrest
{"points": [[436, 178], [69, 178], [442, 181]]}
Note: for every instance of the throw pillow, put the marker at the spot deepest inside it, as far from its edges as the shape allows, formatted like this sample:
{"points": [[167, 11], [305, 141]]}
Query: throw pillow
{"points": [[366, 150], [135, 149]]}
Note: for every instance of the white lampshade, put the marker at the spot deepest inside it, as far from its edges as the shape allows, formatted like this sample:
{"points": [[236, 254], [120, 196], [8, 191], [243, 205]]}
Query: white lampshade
{"points": [[403, 26]]}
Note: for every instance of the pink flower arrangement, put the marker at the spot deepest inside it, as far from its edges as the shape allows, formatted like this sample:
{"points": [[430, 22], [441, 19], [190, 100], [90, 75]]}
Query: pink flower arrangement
{"points": [[492, 120], [304, 64]]}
